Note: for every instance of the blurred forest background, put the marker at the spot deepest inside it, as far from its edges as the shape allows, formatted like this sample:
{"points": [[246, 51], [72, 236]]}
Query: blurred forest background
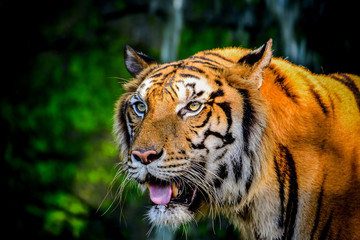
{"points": [[62, 69]]}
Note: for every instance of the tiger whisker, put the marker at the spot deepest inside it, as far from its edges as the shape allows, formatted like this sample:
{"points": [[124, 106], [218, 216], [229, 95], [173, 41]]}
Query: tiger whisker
{"points": [[122, 169], [123, 80]]}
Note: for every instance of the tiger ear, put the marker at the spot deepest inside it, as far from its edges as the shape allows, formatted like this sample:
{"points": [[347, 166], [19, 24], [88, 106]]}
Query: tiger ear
{"points": [[135, 61], [257, 60]]}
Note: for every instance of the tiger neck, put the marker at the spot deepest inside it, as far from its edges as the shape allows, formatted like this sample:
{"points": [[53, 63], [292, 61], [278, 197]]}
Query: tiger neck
{"points": [[264, 213], [266, 209], [272, 205]]}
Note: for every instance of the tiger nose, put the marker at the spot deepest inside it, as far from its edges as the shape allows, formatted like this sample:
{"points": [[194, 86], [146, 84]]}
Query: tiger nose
{"points": [[146, 157]]}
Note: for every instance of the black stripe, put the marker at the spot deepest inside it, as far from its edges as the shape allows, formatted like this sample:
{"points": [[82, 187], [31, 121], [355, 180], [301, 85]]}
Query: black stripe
{"points": [[170, 94], [192, 85], [292, 204], [237, 167], [221, 155], [331, 106], [247, 125], [123, 109], [168, 74], [222, 173], [204, 63], [216, 134], [218, 93], [162, 67], [284, 86], [209, 65], [206, 120], [319, 100], [170, 82], [326, 228], [194, 69], [172, 88], [130, 121], [225, 106], [318, 210], [218, 82], [194, 93], [205, 59], [197, 146], [251, 176], [199, 93], [217, 55], [186, 75], [349, 83], [227, 138], [281, 179], [155, 75], [280, 81], [248, 118]]}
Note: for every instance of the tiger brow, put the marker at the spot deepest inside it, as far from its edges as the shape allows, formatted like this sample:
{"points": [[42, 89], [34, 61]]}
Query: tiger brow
{"points": [[194, 93], [156, 75], [194, 69], [175, 65], [187, 75]]}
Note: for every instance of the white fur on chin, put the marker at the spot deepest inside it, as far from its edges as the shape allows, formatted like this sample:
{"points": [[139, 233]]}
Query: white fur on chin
{"points": [[170, 215]]}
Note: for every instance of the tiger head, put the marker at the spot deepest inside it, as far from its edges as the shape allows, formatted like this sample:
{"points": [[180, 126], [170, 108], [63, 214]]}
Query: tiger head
{"points": [[191, 131]]}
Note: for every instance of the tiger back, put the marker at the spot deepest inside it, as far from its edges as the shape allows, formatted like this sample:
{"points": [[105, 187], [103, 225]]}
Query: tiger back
{"points": [[268, 144]]}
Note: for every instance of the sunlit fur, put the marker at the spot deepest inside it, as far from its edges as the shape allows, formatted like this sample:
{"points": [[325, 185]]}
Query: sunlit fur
{"points": [[275, 148]]}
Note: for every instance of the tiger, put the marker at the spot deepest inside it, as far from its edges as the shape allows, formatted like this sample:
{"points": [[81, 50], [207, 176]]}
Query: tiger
{"points": [[238, 133]]}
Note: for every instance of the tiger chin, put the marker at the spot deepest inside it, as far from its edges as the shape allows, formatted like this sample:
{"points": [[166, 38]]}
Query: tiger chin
{"points": [[240, 133]]}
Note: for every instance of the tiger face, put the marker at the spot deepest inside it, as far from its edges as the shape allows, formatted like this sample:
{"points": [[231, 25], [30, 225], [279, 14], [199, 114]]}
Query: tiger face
{"points": [[183, 127]]}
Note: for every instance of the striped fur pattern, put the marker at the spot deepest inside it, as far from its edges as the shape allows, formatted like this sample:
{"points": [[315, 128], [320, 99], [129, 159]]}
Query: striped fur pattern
{"points": [[270, 145]]}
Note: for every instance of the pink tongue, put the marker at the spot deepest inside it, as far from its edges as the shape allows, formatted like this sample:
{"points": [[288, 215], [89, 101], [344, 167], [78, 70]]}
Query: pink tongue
{"points": [[160, 194]]}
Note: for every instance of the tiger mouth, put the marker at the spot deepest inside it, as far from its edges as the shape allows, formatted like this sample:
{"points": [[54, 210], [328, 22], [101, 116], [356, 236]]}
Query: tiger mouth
{"points": [[173, 193]]}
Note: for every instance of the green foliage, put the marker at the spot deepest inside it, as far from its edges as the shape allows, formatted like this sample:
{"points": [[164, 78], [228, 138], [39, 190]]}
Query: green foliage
{"points": [[59, 151], [65, 124], [193, 40]]}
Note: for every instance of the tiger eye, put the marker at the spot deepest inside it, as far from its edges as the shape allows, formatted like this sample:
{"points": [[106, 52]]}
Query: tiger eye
{"points": [[194, 106], [141, 107]]}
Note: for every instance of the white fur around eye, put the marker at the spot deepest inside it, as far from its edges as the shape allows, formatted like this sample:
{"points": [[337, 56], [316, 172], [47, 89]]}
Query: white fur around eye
{"points": [[144, 87], [188, 91]]}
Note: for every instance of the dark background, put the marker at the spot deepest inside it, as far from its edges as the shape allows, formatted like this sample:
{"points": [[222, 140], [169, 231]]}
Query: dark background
{"points": [[62, 68]]}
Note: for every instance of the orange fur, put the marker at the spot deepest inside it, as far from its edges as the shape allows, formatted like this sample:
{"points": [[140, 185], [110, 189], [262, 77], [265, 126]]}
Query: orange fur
{"points": [[302, 178]]}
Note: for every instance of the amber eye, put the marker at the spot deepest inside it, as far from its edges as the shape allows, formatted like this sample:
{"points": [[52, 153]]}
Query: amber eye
{"points": [[140, 108], [194, 106]]}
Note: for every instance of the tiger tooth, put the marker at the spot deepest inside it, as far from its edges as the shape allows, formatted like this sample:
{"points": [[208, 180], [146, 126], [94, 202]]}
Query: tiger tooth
{"points": [[175, 190], [148, 185]]}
